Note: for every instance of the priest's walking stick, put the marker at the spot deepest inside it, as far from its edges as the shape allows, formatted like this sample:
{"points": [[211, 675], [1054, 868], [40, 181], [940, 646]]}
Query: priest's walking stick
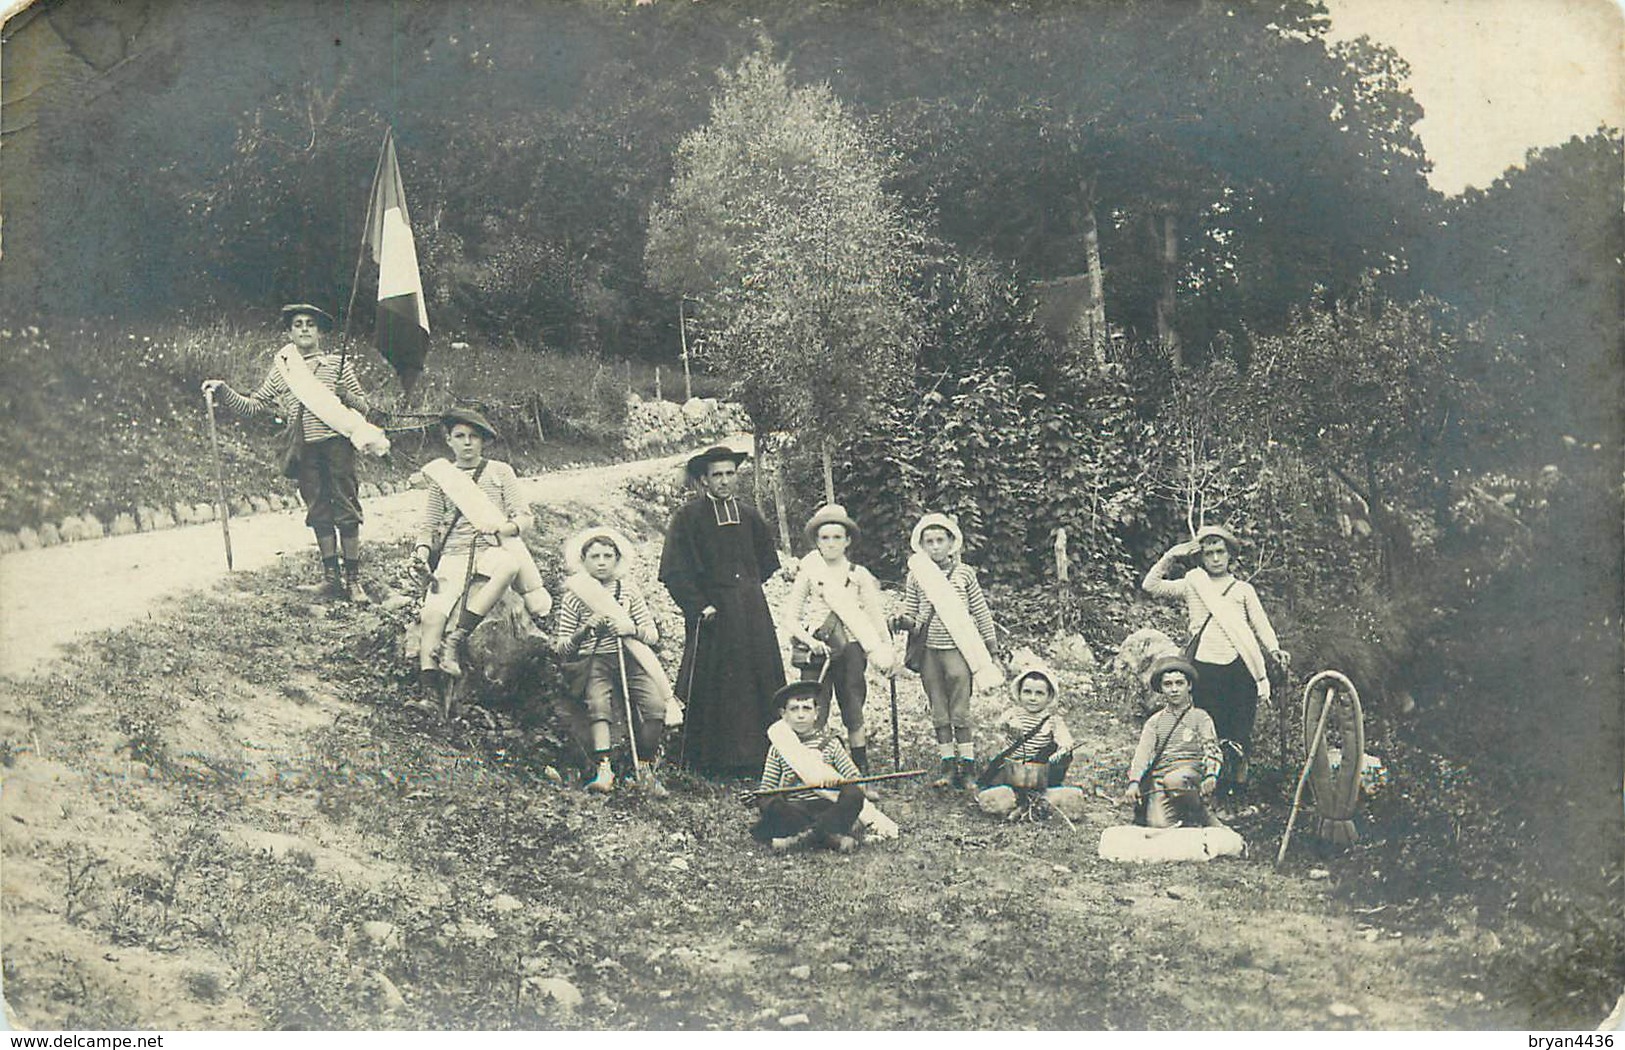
{"points": [[219, 478]]}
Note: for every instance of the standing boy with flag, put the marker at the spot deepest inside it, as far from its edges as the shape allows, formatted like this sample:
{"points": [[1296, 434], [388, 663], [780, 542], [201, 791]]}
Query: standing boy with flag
{"points": [[319, 395]]}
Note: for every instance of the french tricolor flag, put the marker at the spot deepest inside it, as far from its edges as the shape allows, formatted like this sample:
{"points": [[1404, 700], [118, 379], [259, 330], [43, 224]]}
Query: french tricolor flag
{"points": [[403, 319]]}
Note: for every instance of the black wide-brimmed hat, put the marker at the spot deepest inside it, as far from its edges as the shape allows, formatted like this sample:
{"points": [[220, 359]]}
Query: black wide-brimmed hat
{"points": [[452, 416], [714, 454], [324, 320], [794, 689]]}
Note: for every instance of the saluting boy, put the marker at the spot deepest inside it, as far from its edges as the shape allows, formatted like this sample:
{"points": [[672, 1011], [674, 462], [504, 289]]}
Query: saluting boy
{"points": [[943, 598]]}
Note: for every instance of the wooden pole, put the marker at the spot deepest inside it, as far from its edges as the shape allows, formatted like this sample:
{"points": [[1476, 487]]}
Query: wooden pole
{"points": [[219, 479], [361, 252], [682, 332]]}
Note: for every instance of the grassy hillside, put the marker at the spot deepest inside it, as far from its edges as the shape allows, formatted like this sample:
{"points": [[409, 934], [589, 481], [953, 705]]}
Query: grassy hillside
{"points": [[104, 419]]}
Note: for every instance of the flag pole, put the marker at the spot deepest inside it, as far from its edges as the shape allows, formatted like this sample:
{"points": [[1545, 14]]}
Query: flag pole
{"points": [[361, 254]]}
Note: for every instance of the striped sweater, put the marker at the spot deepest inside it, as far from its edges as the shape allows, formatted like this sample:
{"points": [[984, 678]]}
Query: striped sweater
{"points": [[962, 578], [1196, 741], [274, 398], [1053, 738], [778, 773], [499, 482], [574, 615]]}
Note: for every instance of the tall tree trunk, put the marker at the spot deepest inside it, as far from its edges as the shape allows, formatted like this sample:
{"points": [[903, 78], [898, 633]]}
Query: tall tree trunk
{"points": [[1166, 233], [759, 446], [829, 473], [1097, 286], [779, 509]]}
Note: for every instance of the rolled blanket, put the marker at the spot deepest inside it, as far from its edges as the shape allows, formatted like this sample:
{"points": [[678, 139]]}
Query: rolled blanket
{"points": [[871, 636], [1227, 616], [486, 516], [985, 671], [598, 598], [326, 406], [812, 769]]}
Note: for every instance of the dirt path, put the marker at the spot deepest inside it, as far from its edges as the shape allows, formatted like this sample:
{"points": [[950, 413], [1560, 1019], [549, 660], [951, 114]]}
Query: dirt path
{"points": [[51, 596]]}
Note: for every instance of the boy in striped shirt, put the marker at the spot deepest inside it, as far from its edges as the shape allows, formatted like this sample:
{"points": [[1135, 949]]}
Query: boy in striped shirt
{"points": [[325, 465], [1041, 750], [945, 674], [788, 820], [604, 555]]}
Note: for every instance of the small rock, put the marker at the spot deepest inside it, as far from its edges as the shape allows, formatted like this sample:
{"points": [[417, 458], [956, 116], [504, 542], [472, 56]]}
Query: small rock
{"points": [[94, 530], [793, 1020], [1371, 936], [1072, 652], [241, 507], [504, 902], [1319, 873], [396, 600], [383, 934], [367, 490], [678, 864], [1060, 869], [387, 487], [73, 530], [123, 525], [801, 973], [49, 535], [559, 990], [163, 519], [841, 967], [259, 504], [27, 539], [8, 543], [389, 996], [915, 976], [664, 993], [552, 774], [146, 518], [203, 512], [1343, 1010], [183, 514]]}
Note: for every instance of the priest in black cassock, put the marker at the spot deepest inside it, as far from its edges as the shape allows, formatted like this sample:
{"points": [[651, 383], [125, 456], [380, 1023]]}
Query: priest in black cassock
{"points": [[718, 552]]}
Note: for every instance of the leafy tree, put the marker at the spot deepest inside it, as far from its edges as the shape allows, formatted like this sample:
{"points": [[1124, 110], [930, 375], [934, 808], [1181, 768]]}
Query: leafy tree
{"points": [[779, 221]]}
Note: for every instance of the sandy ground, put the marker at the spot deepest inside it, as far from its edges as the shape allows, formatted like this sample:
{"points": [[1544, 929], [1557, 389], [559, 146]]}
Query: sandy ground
{"points": [[51, 596]]}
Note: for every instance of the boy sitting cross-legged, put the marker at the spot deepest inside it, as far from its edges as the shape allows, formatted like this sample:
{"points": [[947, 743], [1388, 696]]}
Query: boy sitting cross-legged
{"points": [[814, 757], [1176, 765]]}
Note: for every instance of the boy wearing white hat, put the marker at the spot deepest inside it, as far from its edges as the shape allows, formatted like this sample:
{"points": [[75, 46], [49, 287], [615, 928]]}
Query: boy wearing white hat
{"points": [[1040, 750], [604, 619], [943, 597], [1176, 765]]}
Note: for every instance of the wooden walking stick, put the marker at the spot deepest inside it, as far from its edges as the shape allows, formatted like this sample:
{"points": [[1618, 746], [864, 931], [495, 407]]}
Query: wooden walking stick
{"points": [[1312, 745], [692, 659], [219, 478], [626, 695], [456, 610]]}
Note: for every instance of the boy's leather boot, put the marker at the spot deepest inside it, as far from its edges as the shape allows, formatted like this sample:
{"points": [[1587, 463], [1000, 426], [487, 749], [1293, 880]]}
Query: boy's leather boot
{"points": [[945, 776], [449, 652]]}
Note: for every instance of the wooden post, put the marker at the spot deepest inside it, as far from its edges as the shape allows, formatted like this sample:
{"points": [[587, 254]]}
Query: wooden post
{"points": [[682, 332], [657, 384]]}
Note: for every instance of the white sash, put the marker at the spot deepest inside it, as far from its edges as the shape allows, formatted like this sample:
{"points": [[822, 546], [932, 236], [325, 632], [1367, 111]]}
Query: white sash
{"points": [[477, 507], [811, 767], [601, 602], [1228, 616], [325, 405], [985, 671], [840, 601]]}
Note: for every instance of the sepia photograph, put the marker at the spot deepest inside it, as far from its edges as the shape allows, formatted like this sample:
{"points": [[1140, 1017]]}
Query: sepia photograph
{"points": [[868, 516]]}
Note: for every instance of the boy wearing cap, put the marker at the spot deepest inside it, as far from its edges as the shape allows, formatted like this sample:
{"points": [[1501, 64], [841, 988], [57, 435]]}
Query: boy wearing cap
{"points": [[1230, 633], [826, 817], [943, 597], [1039, 742], [317, 393], [473, 510], [837, 616], [605, 620], [1176, 765], [718, 552]]}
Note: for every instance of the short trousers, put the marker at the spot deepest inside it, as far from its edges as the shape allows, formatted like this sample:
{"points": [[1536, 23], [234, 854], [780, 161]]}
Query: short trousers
{"points": [[453, 570], [604, 689], [327, 483], [946, 678]]}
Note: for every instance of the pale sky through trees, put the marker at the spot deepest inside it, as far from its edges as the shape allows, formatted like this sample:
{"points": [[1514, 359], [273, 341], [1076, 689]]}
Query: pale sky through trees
{"points": [[1496, 77]]}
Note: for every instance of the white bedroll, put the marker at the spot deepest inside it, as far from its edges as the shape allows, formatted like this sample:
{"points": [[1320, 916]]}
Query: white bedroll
{"points": [[1135, 844]]}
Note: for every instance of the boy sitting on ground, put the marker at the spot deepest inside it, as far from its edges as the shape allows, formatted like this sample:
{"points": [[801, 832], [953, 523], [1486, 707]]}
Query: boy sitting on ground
{"points": [[1040, 752], [816, 757], [1176, 766]]}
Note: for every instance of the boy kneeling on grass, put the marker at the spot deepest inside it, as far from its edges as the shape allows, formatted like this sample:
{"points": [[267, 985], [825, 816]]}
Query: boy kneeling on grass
{"points": [[812, 756], [1176, 766]]}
